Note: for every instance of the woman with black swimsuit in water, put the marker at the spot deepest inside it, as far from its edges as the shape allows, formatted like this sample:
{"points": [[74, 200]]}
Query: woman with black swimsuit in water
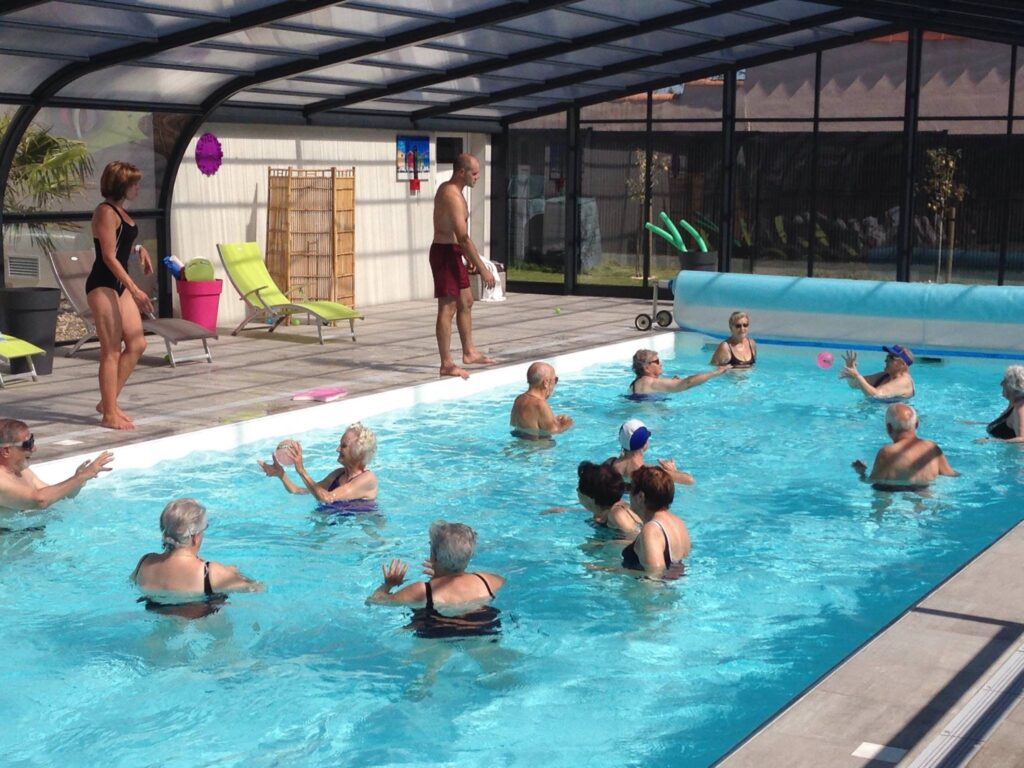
{"points": [[452, 603], [177, 582], [739, 350], [116, 302], [1007, 426], [663, 540]]}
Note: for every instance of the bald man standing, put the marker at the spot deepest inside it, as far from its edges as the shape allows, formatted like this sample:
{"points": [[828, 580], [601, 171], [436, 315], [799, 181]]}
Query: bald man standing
{"points": [[451, 278], [532, 417], [910, 462]]}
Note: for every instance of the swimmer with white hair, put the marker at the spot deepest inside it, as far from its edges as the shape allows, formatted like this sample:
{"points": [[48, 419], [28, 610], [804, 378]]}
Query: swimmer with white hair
{"points": [[1007, 426], [356, 449], [648, 369], [910, 462], [177, 581]]}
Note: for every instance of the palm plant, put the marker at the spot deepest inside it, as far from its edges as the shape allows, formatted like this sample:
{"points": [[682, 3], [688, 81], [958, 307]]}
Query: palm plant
{"points": [[45, 169]]}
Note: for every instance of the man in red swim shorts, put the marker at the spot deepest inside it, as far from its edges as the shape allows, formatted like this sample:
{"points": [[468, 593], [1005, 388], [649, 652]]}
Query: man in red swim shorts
{"points": [[451, 280]]}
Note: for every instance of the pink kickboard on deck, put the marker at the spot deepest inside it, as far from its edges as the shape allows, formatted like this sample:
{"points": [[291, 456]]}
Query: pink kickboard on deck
{"points": [[321, 394]]}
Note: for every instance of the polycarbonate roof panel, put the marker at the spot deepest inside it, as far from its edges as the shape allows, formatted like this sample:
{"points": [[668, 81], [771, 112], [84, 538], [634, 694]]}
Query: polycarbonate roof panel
{"points": [[201, 56], [500, 42], [133, 83], [287, 40], [423, 57], [171, 53], [446, 9], [350, 19], [21, 74], [648, 9], [15, 38], [99, 17], [559, 23], [790, 10]]}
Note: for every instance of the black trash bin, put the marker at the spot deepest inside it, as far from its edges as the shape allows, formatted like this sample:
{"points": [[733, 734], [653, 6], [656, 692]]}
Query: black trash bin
{"points": [[31, 314]]}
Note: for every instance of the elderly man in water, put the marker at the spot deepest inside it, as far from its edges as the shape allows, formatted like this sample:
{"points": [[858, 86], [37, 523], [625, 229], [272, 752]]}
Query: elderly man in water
{"points": [[891, 383], [20, 488], [910, 462], [532, 417]]}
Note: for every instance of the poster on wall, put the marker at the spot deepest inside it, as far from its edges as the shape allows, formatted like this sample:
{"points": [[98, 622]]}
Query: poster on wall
{"points": [[412, 158]]}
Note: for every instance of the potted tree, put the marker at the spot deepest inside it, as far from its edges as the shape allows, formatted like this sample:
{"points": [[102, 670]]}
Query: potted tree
{"points": [[45, 169]]}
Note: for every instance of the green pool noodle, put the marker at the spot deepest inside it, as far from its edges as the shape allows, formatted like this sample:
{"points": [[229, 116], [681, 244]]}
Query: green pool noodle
{"points": [[696, 235]]}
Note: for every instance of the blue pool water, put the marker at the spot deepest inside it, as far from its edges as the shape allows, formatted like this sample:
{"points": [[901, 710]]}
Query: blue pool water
{"points": [[795, 563]]}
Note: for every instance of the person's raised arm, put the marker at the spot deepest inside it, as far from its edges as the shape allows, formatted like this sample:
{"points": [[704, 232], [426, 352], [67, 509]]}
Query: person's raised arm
{"points": [[35, 494], [682, 384], [227, 578], [394, 574], [362, 486], [274, 469], [677, 475]]}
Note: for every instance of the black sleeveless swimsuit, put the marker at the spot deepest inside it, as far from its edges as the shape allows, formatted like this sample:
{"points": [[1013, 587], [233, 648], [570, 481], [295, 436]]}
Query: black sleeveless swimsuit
{"points": [[1000, 428], [429, 623], [101, 276], [735, 362], [631, 560], [196, 609]]}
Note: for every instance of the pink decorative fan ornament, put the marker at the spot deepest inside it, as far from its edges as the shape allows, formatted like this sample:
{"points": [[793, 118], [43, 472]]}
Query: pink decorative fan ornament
{"points": [[208, 154]]}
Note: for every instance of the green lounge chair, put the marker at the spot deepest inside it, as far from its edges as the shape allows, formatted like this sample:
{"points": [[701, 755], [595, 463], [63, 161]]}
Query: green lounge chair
{"points": [[12, 348], [247, 271]]}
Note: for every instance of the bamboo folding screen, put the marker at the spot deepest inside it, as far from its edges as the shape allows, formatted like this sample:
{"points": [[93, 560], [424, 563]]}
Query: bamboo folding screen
{"points": [[311, 232]]}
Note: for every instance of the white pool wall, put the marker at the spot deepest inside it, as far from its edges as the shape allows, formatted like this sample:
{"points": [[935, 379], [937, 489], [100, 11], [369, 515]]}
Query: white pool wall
{"points": [[226, 437]]}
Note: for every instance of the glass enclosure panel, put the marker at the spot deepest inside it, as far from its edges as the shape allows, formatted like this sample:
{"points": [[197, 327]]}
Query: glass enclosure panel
{"points": [[865, 79], [536, 203], [960, 176], [963, 77], [611, 207], [773, 198], [700, 99], [149, 85], [784, 89], [857, 213], [74, 145], [26, 249], [22, 74], [1015, 201], [689, 190], [621, 111]]}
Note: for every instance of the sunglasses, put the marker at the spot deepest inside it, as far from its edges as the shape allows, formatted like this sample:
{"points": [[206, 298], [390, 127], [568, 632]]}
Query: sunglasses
{"points": [[655, 361], [28, 444], [742, 325]]}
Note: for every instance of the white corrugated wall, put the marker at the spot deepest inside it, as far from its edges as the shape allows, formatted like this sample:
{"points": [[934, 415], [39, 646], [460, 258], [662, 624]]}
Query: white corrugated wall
{"points": [[394, 228]]}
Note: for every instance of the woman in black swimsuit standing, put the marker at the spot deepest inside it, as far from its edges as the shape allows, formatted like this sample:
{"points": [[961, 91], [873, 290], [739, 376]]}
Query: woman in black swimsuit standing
{"points": [[114, 298], [463, 596], [739, 350], [356, 449], [177, 581]]}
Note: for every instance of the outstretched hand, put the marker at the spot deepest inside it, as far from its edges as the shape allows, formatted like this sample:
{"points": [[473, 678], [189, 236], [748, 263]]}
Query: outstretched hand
{"points": [[860, 466], [89, 469], [294, 452], [394, 572], [272, 468]]}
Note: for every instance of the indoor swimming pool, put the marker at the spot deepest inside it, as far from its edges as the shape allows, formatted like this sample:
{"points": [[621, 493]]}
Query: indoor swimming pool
{"points": [[795, 564]]}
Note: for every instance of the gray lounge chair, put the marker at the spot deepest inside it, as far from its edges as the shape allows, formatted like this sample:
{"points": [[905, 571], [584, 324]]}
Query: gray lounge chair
{"points": [[72, 269]]}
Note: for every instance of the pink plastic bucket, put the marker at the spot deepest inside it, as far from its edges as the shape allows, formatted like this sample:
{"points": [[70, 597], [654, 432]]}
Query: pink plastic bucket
{"points": [[199, 301]]}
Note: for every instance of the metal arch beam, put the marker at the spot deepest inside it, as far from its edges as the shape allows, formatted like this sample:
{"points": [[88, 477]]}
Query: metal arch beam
{"points": [[414, 36], [715, 69], [49, 87], [985, 20], [752, 36], [604, 37]]}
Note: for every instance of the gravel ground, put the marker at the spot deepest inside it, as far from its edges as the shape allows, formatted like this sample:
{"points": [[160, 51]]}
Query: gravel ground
{"points": [[69, 325]]}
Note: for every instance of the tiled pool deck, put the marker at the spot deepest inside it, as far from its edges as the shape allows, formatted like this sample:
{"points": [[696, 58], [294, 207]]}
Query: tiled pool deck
{"points": [[901, 691]]}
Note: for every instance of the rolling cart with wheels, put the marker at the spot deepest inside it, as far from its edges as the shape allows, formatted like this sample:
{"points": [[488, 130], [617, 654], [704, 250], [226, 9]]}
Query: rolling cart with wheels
{"points": [[662, 317]]}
